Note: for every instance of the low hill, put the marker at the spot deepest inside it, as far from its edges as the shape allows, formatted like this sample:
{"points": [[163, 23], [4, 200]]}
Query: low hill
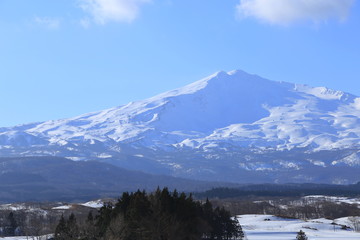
{"points": [[60, 179]]}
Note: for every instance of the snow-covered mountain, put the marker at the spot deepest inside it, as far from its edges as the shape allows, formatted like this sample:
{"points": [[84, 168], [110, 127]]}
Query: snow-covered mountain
{"points": [[216, 119]]}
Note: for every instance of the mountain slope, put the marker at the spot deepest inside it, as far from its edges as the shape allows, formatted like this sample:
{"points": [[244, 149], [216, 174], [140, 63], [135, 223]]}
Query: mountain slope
{"points": [[244, 109], [60, 179], [225, 121]]}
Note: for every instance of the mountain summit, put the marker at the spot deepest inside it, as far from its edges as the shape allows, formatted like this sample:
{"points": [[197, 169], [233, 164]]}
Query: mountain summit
{"points": [[224, 118]]}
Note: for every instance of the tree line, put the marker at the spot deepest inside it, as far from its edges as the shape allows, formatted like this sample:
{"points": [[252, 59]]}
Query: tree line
{"points": [[161, 215], [26, 223], [281, 190], [302, 208]]}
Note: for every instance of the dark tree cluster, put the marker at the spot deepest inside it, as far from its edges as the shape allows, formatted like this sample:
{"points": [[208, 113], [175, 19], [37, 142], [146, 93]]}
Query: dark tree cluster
{"points": [[9, 226], [161, 215], [37, 220], [301, 236], [282, 190], [67, 229]]}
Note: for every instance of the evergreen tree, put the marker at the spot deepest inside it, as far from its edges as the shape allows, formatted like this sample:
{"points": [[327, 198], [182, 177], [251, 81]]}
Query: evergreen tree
{"points": [[106, 213], [61, 229], [90, 219], [89, 232], [67, 229], [11, 225], [301, 236], [72, 227]]}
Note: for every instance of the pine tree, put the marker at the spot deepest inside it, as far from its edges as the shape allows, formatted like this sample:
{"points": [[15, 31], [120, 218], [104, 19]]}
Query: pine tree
{"points": [[11, 225], [72, 227], [301, 236], [67, 229], [89, 232], [106, 213], [61, 229]]}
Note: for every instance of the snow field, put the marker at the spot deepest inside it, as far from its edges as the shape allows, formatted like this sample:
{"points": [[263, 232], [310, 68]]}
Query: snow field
{"points": [[268, 227]]}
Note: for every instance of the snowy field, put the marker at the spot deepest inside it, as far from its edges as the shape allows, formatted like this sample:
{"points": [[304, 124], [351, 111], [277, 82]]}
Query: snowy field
{"points": [[16, 238], [268, 227], [23, 238]]}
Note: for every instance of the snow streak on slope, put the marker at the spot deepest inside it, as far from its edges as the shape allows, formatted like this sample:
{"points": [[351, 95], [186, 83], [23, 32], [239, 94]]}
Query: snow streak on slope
{"points": [[234, 108]]}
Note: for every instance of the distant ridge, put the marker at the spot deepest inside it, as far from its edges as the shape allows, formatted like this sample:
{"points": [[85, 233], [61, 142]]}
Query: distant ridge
{"points": [[59, 179]]}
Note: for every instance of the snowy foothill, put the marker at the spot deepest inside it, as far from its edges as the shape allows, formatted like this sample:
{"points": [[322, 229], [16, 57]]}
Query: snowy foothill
{"points": [[90, 204], [14, 207], [63, 207], [268, 227], [93, 204], [317, 198]]}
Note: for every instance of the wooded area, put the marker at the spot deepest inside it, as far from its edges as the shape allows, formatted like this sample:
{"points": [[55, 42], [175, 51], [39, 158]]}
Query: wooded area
{"points": [[161, 215]]}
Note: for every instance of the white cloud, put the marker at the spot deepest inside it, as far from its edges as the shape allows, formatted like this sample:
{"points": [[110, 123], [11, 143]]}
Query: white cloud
{"points": [[50, 23], [285, 12], [104, 11]]}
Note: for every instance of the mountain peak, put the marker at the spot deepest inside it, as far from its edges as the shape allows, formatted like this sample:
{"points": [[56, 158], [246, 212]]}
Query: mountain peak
{"points": [[235, 105], [225, 119]]}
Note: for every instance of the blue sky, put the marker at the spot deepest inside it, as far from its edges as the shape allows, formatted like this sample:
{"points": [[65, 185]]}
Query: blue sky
{"points": [[63, 58]]}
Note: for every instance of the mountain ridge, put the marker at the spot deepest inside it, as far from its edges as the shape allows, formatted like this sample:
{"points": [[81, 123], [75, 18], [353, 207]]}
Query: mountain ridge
{"points": [[229, 117], [170, 113]]}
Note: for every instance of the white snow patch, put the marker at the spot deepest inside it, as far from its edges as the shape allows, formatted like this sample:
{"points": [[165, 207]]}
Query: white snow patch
{"points": [[93, 204], [63, 207], [268, 227], [104, 155]]}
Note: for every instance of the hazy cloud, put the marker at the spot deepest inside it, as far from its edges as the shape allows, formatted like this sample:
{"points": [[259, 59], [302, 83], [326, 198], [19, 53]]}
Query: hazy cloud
{"points": [[50, 23], [104, 11], [285, 12]]}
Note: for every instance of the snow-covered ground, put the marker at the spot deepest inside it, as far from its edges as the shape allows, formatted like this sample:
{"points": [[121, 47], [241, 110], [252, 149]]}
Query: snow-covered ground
{"points": [[24, 238], [268, 227], [93, 204], [63, 207], [16, 238]]}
